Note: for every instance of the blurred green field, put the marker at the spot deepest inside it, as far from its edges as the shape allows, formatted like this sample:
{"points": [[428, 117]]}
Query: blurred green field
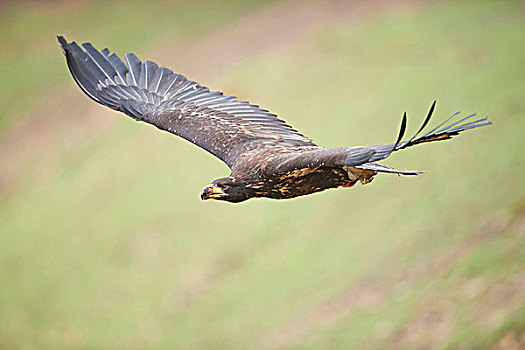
{"points": [[105, 242]]}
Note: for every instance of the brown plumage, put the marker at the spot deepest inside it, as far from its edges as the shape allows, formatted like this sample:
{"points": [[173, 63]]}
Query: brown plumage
{"points": [[267, 157]]}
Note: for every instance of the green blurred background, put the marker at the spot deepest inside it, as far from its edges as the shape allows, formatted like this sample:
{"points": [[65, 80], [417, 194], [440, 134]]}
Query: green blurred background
{"points": [[104, 242]]}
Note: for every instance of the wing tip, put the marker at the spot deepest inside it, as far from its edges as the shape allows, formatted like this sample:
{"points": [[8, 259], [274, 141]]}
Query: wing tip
{"points": [[62, 41]]}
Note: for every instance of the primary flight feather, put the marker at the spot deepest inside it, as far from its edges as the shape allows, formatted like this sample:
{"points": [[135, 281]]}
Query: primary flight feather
{"points": [[267, 157]]}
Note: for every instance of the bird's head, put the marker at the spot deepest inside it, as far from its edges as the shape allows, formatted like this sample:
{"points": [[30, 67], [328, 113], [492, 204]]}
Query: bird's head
{"points": [[225, 189]]}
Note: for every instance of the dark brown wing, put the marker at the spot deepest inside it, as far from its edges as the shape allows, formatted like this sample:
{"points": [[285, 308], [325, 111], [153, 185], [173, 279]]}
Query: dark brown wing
{"points": [[222, 125], [288, 159]]}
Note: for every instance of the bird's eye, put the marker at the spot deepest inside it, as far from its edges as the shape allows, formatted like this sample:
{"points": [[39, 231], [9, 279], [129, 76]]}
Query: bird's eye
{"points": [[223, 186]]}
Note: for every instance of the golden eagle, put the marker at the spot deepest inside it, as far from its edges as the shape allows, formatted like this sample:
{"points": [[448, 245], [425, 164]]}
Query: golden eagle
{"points": [[267, 157]]}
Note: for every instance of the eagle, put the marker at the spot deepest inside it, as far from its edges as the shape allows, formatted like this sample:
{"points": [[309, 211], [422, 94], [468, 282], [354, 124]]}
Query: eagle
{"points": [[266, 156]]}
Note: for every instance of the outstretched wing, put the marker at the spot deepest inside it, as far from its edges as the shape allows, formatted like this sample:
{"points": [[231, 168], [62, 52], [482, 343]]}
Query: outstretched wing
{"points": [[444, 131], [284, 160], [220, 124]]}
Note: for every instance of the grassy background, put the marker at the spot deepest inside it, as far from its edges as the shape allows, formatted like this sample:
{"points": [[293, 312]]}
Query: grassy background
{"points": [[105, 243]]}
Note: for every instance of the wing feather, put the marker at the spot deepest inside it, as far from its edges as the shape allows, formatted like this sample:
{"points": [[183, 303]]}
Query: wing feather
{"points": [[246, 137], [363, 157], [220, 124], [134, 64]]}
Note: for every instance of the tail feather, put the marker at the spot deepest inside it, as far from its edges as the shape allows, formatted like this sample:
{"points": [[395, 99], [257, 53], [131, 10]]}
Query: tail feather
{"points": [[384, 169]]}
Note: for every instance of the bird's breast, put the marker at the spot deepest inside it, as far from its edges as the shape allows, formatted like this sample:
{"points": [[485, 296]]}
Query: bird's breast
{"points": [[299, 182]]}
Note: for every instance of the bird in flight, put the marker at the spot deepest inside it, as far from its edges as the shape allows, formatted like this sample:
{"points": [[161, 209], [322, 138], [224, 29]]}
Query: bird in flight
{"points": [[267, 157]]}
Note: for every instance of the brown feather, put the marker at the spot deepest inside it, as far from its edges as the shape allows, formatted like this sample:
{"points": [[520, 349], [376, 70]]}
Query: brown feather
{"points": [[267, 157]]}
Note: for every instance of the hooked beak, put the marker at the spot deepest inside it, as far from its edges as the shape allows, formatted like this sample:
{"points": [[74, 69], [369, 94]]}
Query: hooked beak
{"points": [[212, 191]]}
